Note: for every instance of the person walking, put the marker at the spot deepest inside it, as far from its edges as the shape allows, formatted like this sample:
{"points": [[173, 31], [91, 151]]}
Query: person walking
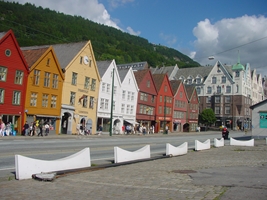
{"points": [[26, 128], [8, 129], [2, 128], [46, 129], [40, 128], [100, 130]]}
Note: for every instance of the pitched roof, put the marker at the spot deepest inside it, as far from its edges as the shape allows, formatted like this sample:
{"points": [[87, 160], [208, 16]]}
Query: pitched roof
{"points": [[2, 34], [33, 55], [175, 84], [122, 73], [163, 70], [139, 75], [259, 104], [103, 66], [65, 52], [194, 71], [135, 66], [189, 90], [158, 79]]}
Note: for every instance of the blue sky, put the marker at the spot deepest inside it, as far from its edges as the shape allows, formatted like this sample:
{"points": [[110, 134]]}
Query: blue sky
{"points": [[197, 28]]}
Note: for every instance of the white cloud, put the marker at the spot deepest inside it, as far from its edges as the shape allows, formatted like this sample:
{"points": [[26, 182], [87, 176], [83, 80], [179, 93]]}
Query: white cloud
{"points": [[223, 40], [117, 3], [132, 32]]}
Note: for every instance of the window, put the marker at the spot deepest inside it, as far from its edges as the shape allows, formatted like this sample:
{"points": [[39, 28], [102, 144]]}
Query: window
{"points": [[189, 81], [85, 101], [227, 109], [213, 80], [237, 74], [106, 104], [72, 98], [36, 78], [46, 79], [2, 94], [74, 78], [53, 101], [92, 101], [132, 96], [141, 108], [108, 88], [208, 99], [3, 72], [217, 110], [128, 109], [102, 103], [165, 88], [223, 79], [198, 80], [219, 89], [227, 99], [181, 94], [209, 90], [122, 108], [47, 61], [160, 109], [152, 99], [228, 89], [86, 83], [128, 96], [217, 99], [81, 60], [93, 85], [148, 83], [45, 100], [33, 101], [198, 90], [19, 77], [55, 81], [16, 97], [124, 94]]}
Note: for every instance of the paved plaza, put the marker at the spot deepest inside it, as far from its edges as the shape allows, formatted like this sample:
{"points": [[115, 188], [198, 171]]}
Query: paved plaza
{"points": [[229, 172]]}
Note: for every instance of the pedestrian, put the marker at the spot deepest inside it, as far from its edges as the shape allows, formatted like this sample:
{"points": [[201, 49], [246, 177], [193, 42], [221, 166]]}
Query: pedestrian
{"points": [[26, 128], [100, 130], [40, 128], [46, 129], [8, 129], [167, 129], [2, 128], [31, 129]]}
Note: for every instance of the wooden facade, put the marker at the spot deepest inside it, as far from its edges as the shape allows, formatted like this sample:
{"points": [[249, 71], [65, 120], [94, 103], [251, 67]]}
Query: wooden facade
{"points": [[13, 81], [44, 91]]}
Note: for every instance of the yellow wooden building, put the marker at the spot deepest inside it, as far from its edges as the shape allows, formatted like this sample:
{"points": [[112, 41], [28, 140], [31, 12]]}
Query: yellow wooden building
{"points": [[80, 88], [44, 88]]}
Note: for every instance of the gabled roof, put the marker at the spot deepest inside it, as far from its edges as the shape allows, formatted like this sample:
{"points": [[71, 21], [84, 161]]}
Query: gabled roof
{"points": [[162, 70], [158, 79], [135, 66], [139, 75], [175, 84], [259, 104], [194, 71], [103, 66], [5, 35], [65, 52], [33, 55], [123, 73], [189, 90]]}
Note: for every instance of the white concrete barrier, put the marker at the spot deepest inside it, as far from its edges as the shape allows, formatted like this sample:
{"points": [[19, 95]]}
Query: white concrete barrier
{"points": [[202, 146], [121, 155], [26, 167], [218, 143], [176, 151], [234, 142]]}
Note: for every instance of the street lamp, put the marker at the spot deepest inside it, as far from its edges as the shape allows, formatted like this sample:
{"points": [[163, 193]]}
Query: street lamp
{"points": [[111, 109]]}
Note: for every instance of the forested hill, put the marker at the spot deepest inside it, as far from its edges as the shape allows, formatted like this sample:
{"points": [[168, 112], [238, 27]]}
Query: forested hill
{"points": [[37, 26]]}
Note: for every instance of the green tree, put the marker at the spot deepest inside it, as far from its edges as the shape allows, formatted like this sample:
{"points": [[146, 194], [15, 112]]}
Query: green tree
{"points": [[207, 117]]}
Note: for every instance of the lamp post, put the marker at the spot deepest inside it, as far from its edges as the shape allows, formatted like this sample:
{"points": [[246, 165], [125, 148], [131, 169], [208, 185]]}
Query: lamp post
{"points": [[111, 109], [164, 130]]}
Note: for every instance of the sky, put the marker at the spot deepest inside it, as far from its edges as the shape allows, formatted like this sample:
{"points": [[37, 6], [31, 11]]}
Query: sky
{"points": [[201, 29]]}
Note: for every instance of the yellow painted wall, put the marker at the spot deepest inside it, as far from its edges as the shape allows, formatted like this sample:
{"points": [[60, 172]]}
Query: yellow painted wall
{"points": [[52, 68], [82, 70]]}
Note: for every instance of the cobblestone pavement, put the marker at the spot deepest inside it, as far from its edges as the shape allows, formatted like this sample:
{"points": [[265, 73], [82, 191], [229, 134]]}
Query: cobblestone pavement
{"points": [[168, 178]]}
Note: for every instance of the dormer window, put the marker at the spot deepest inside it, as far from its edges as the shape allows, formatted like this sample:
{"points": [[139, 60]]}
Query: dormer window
{"points": [[198, 80], [189, 81], [237, 73]]}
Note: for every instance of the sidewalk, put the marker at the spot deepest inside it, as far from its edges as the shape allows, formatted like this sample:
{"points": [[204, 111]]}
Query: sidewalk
{"points": [[229, 172]]}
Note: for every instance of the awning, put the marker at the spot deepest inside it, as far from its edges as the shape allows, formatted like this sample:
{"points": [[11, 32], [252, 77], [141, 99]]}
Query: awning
{"points": [[48, 116], [131, 122]]}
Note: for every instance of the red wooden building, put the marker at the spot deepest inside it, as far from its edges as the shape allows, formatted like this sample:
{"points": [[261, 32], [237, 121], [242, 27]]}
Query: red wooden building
{"points": [[192, 109], [164, 106], [146, 103], [180, 105], [13, 81]]}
